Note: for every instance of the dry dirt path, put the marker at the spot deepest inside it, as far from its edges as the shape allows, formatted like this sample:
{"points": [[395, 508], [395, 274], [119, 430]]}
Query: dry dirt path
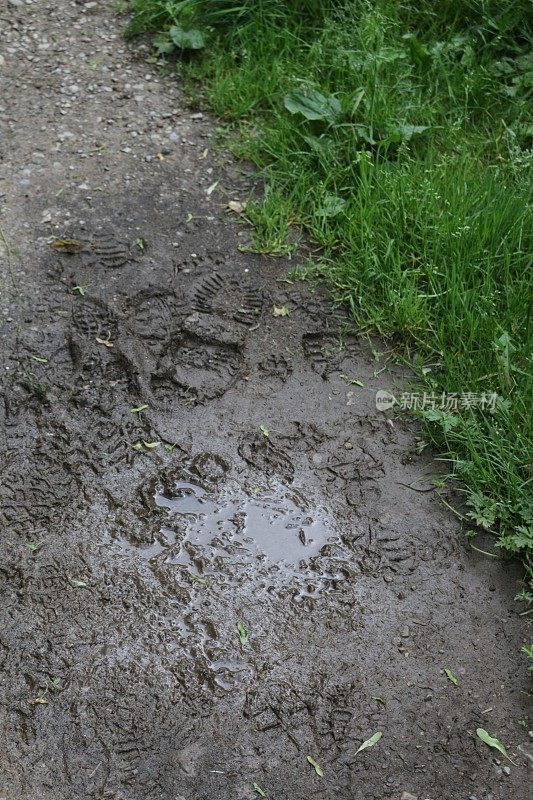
{"points": [[125, 568]]}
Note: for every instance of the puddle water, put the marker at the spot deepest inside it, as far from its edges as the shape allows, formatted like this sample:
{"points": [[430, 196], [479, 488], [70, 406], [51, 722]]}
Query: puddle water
{"points": [[220, 539], [273, 526]]}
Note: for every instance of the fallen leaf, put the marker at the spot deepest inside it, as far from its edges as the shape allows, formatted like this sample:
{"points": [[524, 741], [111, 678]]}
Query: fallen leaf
{"points": [[67, 245], [451, 677], [40, 700], [258, 790], [78, 584], [378, 699], [202, 581], [370, 742], [169, 447], [211, 189], [317, 768], [264, 430], [105, 342], [235, 206], [151, 445], [243, 634], [138, 409], [161, 157], [280, 311], [353, 381], [33, 546], [137, 446], [79, 289], [40, 360], [492, 742]]}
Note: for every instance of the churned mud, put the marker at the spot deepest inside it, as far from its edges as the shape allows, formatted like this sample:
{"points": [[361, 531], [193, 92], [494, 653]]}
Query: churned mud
{"points": [[217, 557]]}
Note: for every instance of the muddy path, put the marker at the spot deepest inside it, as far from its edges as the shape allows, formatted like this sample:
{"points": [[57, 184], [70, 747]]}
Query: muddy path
{"points": [[251, 567]]}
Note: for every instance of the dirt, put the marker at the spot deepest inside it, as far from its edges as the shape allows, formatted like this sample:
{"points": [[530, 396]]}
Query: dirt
{"points": [[255, 567]]}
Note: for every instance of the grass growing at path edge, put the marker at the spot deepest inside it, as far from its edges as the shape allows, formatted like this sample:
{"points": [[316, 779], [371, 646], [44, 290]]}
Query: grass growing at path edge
{"points": [[397, 135]]}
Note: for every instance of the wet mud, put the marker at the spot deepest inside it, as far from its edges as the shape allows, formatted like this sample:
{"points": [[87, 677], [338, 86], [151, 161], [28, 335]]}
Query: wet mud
{"points": [[217, 558]]}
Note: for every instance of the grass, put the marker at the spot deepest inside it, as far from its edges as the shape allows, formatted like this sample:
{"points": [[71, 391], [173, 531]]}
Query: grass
{"points": [[397, 136]]}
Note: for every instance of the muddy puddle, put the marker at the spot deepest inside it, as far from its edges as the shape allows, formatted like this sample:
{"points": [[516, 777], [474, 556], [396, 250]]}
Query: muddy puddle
{"points": [[264, 527]]}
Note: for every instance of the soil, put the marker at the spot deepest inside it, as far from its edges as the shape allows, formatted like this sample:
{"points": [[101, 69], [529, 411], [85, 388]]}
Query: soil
{"points": [[253, 567]]}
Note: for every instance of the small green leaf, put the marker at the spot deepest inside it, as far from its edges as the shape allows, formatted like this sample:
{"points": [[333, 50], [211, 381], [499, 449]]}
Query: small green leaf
{"points": [[192, 39], [332, 206], [258, 790], [264, 430], [78, 584], [141, 243], [404, 133], [163, 46], [137, 446], [41, 701], [312, 105], [495, 743], [243, 633], [55, 684], [202, 581], [317, 768], [370, 742], [151, 445], [138, 409], [79, 289], [280, 311], [451, 677], [378, 699], [353, 381], [33, 546], [40, 360], [169, 447]]}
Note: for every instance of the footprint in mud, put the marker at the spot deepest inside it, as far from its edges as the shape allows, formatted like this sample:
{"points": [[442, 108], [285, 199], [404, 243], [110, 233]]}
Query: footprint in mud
{"points": [[380, 549], [261, 453], [275, 367], [315, 310], [279, 707], [38, 495], [196, 264], [320, 351], [153, 315], [329, 352], [201, 368], [354, 473], [103, 249], [91, 318], [167, 392], [216, 663], [229, 297], [210, 468]]}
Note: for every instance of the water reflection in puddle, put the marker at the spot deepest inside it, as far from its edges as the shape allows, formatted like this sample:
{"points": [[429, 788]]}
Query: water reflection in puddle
{"points": [[276, 525]]}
